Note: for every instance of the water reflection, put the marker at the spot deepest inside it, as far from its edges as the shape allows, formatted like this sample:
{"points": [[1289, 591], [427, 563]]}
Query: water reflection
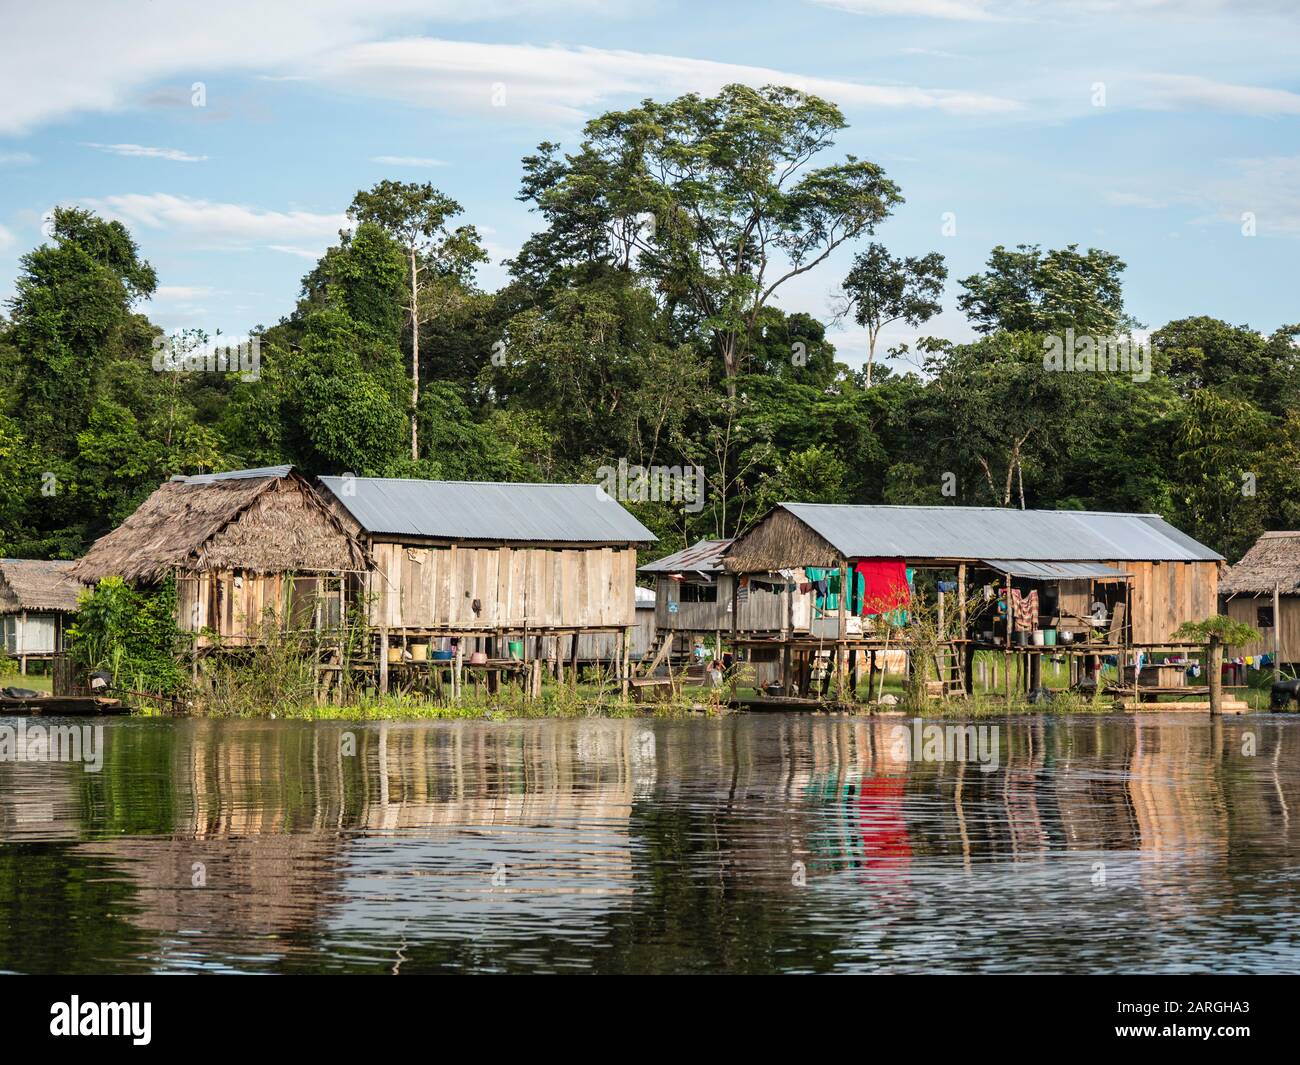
{"points": [[746, 844]]}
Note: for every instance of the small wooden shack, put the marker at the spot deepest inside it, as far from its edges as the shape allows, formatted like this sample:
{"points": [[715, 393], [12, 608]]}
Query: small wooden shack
{"points": [[696, 596], [492, 563], [37, 602], [250, 550], [1263, 591]]}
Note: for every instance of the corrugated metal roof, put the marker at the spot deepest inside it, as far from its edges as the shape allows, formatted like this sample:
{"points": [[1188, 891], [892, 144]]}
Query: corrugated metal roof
{"points": [[234, 475], [995, 532], [702, 557], [1054, 571], [485, 510]]}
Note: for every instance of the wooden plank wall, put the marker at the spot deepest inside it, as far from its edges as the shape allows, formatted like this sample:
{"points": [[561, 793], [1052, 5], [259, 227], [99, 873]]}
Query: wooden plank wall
{"points": [[762, 610], [1165, 594], [1245, 608], [234, 604], [435, 587]]}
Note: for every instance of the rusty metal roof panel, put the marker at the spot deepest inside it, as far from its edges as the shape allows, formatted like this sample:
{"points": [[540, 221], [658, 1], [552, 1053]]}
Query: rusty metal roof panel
{"points": [[996, 532], [702, 557], [486, 510]]}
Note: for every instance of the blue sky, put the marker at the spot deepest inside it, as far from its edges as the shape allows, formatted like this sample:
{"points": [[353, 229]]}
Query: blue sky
{"points": [[988, 109]]}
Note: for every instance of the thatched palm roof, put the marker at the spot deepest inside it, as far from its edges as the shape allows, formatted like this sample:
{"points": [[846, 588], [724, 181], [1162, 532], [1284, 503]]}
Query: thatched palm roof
{"points": [[1274, 561], [32, 584], [266, 521]]}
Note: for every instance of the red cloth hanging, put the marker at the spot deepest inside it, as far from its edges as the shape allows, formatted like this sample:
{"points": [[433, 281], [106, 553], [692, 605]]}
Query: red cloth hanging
{"points": [[884, 584]]}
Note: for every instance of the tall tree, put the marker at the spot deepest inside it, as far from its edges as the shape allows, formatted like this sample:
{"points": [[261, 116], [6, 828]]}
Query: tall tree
{"points": [[440, 261], [1028, 289], [881, 289], [711, 197], [71, 316]]}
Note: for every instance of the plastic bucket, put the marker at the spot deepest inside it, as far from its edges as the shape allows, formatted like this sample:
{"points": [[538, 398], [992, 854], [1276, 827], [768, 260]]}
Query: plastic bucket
{"points": [[419, 652], [517, 650], [1039, 638], [1049, 637]]}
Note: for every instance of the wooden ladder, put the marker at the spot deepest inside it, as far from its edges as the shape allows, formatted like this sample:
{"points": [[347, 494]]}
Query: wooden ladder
{"points": [[950, 669]]}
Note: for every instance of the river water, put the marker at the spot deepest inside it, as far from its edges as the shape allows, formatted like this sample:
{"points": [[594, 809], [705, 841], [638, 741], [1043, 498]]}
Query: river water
{"points": [[758, 843]]}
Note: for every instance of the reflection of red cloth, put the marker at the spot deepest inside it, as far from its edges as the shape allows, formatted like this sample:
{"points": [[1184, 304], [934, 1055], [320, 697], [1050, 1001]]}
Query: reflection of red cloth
{"points": [[880, 820], [884, 584]]}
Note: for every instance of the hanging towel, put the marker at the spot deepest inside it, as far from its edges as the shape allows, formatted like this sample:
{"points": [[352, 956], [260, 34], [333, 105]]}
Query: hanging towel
{"points": [[1024, 607], [883, 585]]}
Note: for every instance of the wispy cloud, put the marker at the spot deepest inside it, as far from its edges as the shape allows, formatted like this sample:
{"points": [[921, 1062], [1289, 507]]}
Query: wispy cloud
{"points": [[17, 159], [142, 151], [53, 66], [407, 160], [566, 84], [1190, 92], [180, 293], [960, 10], [222, 224]]}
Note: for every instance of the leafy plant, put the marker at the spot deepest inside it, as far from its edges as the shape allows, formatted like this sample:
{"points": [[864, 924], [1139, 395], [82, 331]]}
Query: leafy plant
{"points": [[132, 634]]}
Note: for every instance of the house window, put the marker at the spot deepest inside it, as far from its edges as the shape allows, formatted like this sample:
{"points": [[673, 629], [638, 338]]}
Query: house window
{"points": [[699, 593], [1264, 617]]}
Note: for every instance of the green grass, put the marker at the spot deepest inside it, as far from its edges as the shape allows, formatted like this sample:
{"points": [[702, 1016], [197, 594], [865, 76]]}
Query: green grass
{"points": [[35, 681]]}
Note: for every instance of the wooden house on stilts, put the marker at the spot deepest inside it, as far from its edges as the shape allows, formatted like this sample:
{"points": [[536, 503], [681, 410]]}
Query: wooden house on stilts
{"points": [[1014, 581], [481, 571], [250, 551], [37, 602], [1263, 591]]}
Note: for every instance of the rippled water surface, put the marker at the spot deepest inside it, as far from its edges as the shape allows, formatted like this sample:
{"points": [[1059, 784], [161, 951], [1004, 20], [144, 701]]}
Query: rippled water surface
{"points": [[747, 844]]}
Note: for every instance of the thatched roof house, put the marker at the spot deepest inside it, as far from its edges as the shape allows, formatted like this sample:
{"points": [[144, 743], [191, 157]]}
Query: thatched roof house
{"points": [[36, 600], [1269, 569], [1274, 561], [239, 544], [264, 521], [37, 587]]}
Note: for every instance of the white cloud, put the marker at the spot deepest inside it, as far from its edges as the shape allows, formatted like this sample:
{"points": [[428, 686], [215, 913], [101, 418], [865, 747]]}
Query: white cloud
{"points": [[53, 66], [7, 239], [141, 151], [406, 160], [1268, 188], [311, 254], [1187, 92], [221, 224], [565, 84], [180, 293], [962, 10], [16, 158]]}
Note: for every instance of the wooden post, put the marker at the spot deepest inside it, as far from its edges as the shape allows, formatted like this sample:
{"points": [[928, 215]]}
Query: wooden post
{"points": [[844, 595], [1214, 663], [961, 600], [573, 659], [1006, 655], [1277, 632], [383, 663], [623, 647], [458, 673]]}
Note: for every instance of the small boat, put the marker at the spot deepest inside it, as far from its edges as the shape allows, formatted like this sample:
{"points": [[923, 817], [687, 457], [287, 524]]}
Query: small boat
{"points": [[61, 705]]}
